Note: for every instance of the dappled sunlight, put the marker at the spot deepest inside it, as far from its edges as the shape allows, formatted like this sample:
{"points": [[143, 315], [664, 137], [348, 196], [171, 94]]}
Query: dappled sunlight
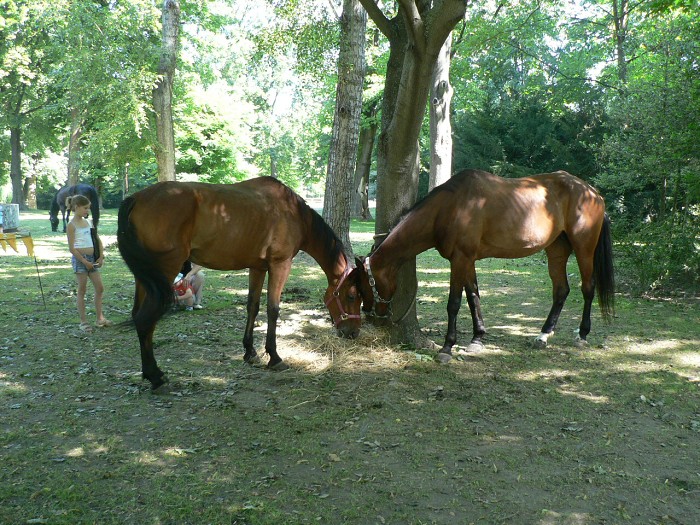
{"points": [[683, 356], [566, 518], [444, 272], [8, 387], [216, 381], [548, 374], [520, 330], [76, 452], [569, 390], [149, 458]]}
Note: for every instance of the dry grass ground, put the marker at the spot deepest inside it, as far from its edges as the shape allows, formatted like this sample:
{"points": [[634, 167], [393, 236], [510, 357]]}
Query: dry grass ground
{"points": [[357, 432]]}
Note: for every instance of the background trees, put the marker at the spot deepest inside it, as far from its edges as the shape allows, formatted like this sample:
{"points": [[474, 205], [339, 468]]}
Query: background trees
{"points": [[603, 88]]}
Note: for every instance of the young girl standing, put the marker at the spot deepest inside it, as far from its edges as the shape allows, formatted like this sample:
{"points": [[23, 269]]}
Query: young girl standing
{"points": [[85, 266]]}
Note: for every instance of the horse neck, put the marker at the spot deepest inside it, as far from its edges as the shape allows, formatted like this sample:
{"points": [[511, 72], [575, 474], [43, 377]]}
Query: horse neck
{"points": [[333, 265], [321, 243], [413, 235]]}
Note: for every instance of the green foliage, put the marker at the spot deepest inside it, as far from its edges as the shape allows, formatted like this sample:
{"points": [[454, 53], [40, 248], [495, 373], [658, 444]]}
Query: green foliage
{"points": [[661, 254]]}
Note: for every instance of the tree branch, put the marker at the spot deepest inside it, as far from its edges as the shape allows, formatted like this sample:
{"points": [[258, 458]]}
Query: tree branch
{"points": [[378, 17]]}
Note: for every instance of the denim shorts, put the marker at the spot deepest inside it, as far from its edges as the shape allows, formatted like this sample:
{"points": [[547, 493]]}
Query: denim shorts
{"points": [[79, 267]]}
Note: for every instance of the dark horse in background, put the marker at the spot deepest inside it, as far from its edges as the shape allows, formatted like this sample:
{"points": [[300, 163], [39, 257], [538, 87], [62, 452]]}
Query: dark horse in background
{"points": [[258, 224], [476, 215], [59, 203]]}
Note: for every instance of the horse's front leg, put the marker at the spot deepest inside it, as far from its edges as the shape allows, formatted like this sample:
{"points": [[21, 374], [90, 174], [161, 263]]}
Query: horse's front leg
{"points": [[277, 277], [462, 276], [454, 302], [256, 278]]}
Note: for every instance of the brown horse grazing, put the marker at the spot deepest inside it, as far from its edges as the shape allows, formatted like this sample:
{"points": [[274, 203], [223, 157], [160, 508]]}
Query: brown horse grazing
{"points": [[258, 224], [476, 215]]}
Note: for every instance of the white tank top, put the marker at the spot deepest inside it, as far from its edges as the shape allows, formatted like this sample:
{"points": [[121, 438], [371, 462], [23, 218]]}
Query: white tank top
{"points": [[83, 239]]}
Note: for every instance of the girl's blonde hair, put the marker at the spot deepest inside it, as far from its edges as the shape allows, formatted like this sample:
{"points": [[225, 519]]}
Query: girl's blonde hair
{"points": [[74, 201]]}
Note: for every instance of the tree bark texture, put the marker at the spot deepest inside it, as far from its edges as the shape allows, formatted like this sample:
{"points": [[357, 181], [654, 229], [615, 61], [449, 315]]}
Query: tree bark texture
{"points": [[16, 167], [416, 37], [368, 132], [163, 92], [440, 125], [346, 122], [76, 131]]}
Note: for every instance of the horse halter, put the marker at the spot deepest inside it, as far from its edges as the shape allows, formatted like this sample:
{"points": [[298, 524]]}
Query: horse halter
{"points": [[375, 294], [344, 316]]}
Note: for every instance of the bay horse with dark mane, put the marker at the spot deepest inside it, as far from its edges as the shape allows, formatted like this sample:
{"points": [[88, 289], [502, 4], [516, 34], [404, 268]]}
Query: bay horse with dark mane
{"points": [[59, 204], [476, 215], [259, 224]]}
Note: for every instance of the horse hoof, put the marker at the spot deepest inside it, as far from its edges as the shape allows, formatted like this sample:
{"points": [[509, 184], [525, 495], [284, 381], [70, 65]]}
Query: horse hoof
{"points": [[254, 360], [162, 388], [279, 367], [580, 343], [475, 347], [443, 358], [539, 343]]}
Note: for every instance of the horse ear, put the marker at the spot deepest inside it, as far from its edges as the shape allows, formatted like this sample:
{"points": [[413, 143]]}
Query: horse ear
{"points": [[359, 261]]}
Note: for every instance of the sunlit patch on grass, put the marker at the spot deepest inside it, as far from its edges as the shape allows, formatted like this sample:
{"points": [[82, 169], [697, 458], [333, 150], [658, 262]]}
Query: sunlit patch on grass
{"points": [[585, 396], [77, 452], [548, 374], [522, 330], [10, 387], [568, 518]]}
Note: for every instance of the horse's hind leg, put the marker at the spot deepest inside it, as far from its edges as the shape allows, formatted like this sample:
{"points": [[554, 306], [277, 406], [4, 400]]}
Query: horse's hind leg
{"points": [[256, 279], [557, 256], [585, 265], [145, 326]]}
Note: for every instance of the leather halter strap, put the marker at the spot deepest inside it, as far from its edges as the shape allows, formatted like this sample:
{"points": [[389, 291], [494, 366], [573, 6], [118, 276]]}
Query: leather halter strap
{"points": [[377, 298], [344, 316]]}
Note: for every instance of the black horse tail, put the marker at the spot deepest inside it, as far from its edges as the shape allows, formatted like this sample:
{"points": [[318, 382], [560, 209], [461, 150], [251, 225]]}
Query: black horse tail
{"points": [[604, 271], [144, 265], [94, 205]]}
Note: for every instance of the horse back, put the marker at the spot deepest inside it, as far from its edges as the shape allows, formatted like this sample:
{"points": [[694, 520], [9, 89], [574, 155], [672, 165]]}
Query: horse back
{"points": [[486, 215], [220, 226]]}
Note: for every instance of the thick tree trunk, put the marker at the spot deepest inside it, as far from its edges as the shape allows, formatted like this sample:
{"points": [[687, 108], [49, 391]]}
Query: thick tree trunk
{"points": [[440, 126], [415, 40], [163, 92], [346, 122]]}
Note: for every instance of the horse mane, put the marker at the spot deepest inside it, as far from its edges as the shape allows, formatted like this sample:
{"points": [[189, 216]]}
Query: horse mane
{"points": [[319, 228]]}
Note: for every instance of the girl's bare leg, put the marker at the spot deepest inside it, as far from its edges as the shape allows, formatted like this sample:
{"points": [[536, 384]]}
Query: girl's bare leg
{"points": [[81, 279], [96, 279]]}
